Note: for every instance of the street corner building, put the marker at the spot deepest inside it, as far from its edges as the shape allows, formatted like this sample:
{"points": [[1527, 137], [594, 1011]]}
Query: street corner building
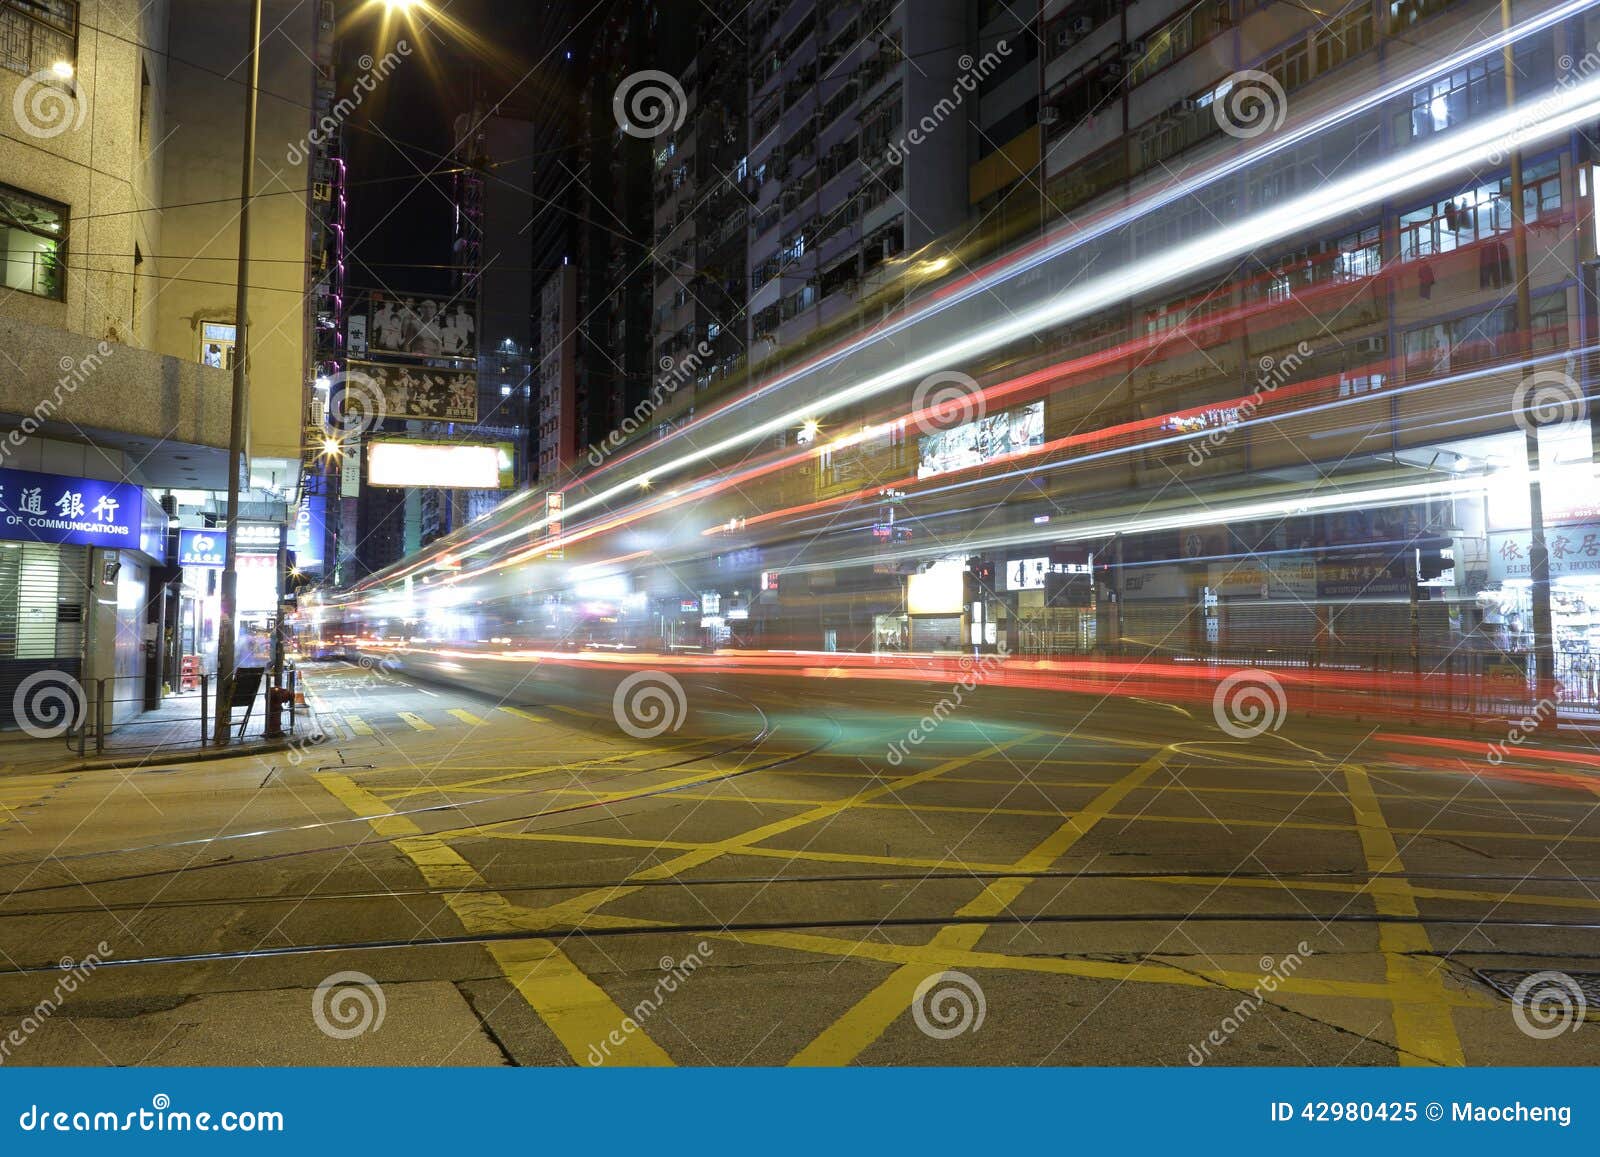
{"points": [[119, 185]]}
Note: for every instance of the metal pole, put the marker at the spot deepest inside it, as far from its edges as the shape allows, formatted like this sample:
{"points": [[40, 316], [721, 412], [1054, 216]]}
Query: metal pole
{"points": [[230, 574], [1538, 552]]}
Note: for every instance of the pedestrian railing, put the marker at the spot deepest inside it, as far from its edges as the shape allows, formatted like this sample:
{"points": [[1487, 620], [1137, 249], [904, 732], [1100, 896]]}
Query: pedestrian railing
{"points": [[183, 720]]}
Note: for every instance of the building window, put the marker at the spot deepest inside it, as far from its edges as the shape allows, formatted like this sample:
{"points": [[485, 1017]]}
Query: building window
{"points": [[217, 341], [32, 244], [1177, 37], [39, 36], [1480, 213]]}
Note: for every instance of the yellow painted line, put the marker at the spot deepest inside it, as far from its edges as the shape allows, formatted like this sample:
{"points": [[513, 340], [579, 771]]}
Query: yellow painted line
{"points": [[816, 814], [521, 714], [357, 724], [466, 716], [1424, 1030], [416, 720], [523, 772], [1201, 789], [845, 1039], [577, 1010], [764, 853]]}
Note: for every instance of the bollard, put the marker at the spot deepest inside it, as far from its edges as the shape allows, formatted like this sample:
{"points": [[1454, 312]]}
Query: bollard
{"points": [[99, 716]]}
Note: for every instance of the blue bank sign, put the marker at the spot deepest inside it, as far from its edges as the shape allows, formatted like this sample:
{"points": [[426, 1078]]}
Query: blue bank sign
{"points": [[83, 511], [202, 547]]}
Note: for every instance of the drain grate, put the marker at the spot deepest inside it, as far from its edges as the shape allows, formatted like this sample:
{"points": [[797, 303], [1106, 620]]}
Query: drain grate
{"points": [[1507, 981]]}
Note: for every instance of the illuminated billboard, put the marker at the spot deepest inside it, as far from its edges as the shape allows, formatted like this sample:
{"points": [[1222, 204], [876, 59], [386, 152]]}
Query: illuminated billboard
{"points": [[974, 443], [441, 465]]}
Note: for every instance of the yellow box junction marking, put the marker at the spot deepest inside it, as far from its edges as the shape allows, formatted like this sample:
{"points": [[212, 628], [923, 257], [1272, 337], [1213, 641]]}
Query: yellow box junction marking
{"points": [[1424, 1030], [843, 1040], [577, 1010], [416, 721]]}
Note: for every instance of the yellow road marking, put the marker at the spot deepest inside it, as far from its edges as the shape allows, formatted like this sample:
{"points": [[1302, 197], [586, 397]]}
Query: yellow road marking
{"points": [[416, 721], [466, 716], [1423, 1028], [522, 772], [357, 724], [1131, 817], [845, 1039], [1202, 789], [577, 1010], [825, 811], [521, 714]]}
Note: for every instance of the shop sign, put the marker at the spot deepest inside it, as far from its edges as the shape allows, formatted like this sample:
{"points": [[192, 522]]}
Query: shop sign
{"points": [[202, 547], [1291, 577], [1574, 551], [1359, 578], [81, 511]]}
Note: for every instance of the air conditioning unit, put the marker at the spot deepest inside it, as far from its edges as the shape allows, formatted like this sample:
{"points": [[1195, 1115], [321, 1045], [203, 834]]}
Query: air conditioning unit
{"points": [[1081, 25], [1049, 115], [1371, 345], [321, 191], [1136, 49], [1182, 107], [1064, 38]]}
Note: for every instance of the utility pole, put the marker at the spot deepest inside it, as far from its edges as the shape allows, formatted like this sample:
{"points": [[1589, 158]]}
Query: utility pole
{"points": [[1544, 659], [1538, 551], [226, 651]]}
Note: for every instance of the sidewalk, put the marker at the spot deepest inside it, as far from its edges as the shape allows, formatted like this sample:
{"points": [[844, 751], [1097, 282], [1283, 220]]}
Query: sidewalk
{"points": [[173, 732]]}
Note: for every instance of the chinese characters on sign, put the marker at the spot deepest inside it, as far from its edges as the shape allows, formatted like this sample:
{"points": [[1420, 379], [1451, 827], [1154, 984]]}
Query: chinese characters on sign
{"points": [[1574, 550], [82, 511]]}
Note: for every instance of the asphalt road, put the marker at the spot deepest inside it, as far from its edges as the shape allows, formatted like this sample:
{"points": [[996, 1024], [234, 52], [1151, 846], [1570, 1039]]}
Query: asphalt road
{"points": [[813, 871]]}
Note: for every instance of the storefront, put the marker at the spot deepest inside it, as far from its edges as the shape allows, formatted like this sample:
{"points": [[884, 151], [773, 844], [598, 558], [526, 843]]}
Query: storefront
{"points": [[75, 562]]}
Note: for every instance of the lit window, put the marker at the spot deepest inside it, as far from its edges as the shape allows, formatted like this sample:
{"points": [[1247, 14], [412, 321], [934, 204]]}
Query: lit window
{"points": [[32, 244]]}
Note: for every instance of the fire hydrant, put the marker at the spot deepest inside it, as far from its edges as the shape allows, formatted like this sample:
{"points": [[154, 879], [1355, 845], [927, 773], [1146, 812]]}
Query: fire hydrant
{"points": [[277, 699]]}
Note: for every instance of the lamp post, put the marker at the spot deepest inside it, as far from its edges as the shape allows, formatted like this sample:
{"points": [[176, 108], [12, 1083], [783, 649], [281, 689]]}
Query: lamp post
{"points": [[228, 625]]}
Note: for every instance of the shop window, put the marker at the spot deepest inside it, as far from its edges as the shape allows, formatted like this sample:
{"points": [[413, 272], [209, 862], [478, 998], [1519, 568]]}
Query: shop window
{"points": [[32, 244]]}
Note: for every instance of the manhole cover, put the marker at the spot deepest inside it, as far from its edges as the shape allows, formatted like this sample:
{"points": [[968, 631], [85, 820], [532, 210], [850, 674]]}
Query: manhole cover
{"points": [[1509, 981]]}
